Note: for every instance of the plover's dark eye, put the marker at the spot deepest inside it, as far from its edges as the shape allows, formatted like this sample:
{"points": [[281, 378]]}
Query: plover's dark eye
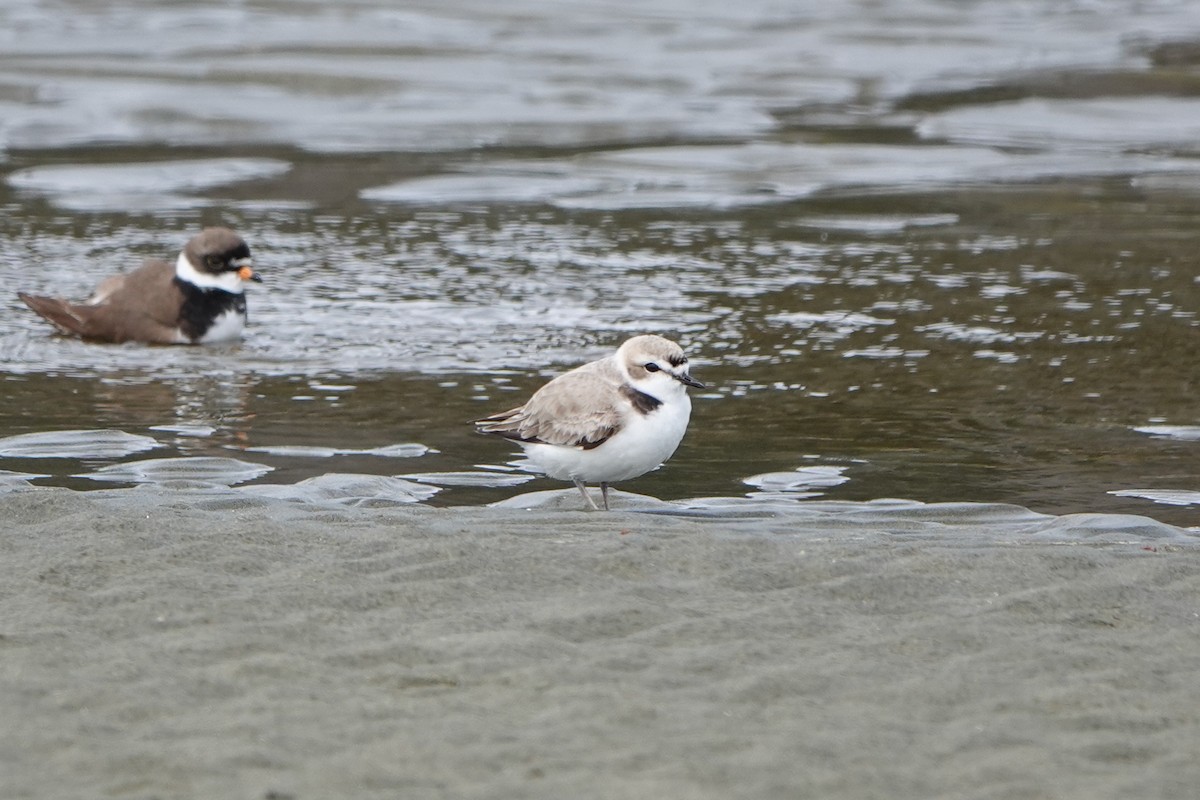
{"points": [[652, 367]]}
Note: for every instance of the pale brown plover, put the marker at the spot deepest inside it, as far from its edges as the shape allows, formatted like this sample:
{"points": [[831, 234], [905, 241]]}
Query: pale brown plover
{"points": [[608, 420]]}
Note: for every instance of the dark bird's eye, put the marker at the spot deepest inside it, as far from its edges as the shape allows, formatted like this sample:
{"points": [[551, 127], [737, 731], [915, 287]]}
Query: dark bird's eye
{"points": [[652, 367]]}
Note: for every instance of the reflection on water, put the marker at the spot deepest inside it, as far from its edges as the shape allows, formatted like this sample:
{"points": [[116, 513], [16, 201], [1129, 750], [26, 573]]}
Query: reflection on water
{"points": [[929, 252]]}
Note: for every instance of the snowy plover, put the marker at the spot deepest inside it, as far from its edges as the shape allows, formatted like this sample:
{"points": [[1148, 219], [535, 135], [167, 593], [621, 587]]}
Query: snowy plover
{"points": [[606, 421]]}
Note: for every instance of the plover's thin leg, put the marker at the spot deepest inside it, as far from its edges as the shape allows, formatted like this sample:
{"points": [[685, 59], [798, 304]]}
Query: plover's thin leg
{"points": [[583, 491], [604, 493]]}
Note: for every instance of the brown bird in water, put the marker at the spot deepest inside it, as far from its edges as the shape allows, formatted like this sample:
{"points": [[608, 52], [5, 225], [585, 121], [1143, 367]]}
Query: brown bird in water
{"points": [[198, 299]]}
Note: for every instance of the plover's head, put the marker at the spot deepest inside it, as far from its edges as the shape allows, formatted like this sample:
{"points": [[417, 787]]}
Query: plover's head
{"points": [[216, 258], [654, 361]]}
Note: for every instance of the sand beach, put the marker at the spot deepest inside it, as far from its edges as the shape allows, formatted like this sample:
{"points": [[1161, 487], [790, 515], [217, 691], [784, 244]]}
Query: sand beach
{"points": [[184, 643]]}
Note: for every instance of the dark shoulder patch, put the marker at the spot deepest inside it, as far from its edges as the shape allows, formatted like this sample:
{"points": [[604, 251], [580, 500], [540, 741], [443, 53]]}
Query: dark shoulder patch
{"points": [[643, 402]]}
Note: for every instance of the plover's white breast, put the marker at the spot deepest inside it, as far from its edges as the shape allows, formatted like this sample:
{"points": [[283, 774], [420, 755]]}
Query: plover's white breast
{"points": [[228, 325], [644, 441]]}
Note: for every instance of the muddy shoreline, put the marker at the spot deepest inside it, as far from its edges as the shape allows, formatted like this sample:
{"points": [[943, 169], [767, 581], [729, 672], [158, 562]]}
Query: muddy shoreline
{"points": [[179, 643]]}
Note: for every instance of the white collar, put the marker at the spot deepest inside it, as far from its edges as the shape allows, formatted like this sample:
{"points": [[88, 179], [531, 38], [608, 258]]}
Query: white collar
{"points": [[226, 281]]}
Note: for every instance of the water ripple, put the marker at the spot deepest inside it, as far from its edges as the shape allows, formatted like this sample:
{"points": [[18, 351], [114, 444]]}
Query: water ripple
{"points": [[490, 480], [346, 489], [200, 469], [144, 186], [801, 479], [1170, 497], [408, 450], [1183, 433], [80, 444]]}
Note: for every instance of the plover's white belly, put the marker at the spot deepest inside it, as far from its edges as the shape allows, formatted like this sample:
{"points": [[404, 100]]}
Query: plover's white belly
{"points": [[646, 441], [229, 325]]}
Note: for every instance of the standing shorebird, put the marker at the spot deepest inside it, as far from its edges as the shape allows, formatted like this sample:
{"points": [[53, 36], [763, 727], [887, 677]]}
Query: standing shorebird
{"points": [[198, 299], [608, 420]]}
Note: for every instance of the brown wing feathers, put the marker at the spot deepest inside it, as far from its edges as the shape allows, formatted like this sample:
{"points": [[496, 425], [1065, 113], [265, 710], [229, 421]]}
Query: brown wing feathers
{"points": [[517, 425], [142, 305], [563, 412]]}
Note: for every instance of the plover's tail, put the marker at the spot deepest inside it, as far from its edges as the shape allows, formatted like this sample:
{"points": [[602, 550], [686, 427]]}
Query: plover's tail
{"points": [[506, 424], [67, 317]]}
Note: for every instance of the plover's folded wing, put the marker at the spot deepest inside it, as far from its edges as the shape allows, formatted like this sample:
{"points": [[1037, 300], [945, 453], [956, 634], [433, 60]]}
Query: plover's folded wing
{"points": [[582, 408], [106, 289], [142, 305], [148, 293]]}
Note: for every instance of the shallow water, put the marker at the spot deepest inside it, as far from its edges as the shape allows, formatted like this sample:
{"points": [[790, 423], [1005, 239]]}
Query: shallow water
{"points": [[932, 251]]}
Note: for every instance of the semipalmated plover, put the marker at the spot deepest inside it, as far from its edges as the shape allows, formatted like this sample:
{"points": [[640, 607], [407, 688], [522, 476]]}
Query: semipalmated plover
{"points": [[606, 421], [198, 299]]}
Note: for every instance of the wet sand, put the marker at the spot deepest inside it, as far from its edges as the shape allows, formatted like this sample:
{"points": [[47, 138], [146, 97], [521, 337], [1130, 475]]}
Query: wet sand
{"points": [[193, 645]]}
